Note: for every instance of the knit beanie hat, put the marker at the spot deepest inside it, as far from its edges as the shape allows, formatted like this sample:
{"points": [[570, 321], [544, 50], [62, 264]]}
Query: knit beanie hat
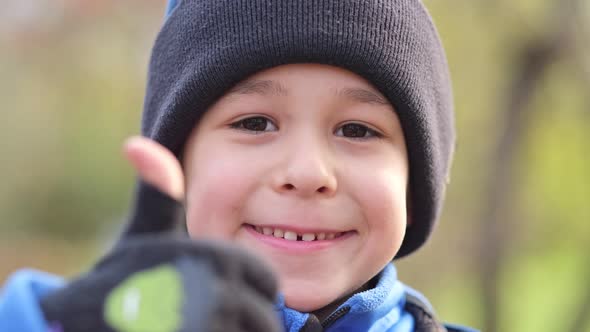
{"points": [[205, 47]]}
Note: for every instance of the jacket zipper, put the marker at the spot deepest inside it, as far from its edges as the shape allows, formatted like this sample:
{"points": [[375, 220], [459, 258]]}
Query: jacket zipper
{"points": [[335, 316]]}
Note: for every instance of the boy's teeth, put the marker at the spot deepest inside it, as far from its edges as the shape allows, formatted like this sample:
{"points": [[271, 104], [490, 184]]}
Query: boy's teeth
{"points": [[292, 236], [307, 237]]}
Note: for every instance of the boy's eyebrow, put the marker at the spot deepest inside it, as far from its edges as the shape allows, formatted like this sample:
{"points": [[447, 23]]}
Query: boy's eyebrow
{"points": [[363, 96], [262, 87], [270, 87]]}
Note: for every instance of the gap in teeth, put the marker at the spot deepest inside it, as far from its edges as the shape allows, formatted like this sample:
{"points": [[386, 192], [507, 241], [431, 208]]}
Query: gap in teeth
{"points": [[292, 236]]}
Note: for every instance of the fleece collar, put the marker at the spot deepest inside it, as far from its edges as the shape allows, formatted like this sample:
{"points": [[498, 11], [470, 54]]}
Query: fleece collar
{"points": [[377, 309]]}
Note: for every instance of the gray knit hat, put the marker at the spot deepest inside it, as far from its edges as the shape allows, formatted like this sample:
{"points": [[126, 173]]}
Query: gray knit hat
{"points": [[206, 47]]}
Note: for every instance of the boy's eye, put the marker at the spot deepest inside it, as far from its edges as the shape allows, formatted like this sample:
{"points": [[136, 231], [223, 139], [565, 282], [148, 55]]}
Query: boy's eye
{"points": [[356, 130], [255, 123]]}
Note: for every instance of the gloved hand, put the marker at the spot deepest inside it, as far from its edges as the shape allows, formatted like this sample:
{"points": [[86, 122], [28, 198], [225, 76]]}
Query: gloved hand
{"points": [[158, 281]]}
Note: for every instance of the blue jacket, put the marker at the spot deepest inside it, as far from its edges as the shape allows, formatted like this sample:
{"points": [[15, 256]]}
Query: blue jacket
{"points": [[389, 307], [19, 302], [377, 309]]}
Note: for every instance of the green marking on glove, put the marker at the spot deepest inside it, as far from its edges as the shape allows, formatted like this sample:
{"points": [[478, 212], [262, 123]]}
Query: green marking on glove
{"points": [[147, 301]]}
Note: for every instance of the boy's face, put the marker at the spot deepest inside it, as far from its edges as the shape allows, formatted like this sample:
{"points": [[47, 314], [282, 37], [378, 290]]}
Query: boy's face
{"points": [[307, 166]]}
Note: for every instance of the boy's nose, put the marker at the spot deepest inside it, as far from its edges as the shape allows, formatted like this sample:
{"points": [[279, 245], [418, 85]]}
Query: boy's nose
{"points": [[307, 172]]}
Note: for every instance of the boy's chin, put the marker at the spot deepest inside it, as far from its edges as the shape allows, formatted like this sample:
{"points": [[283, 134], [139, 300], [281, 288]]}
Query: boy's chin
{"points": [[309, 299], [305, 303]]}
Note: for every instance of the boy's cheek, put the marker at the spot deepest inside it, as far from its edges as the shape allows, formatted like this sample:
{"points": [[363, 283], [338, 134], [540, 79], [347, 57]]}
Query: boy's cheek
{"points": [[380, 193], [214, 204]]}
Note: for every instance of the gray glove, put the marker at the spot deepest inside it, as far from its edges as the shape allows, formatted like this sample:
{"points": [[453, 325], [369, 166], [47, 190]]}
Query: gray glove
{"points": [[158, 282]]}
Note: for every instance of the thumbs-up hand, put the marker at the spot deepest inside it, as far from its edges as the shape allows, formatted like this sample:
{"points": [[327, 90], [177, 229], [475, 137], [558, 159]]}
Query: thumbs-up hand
{"points": [[159, 281]]}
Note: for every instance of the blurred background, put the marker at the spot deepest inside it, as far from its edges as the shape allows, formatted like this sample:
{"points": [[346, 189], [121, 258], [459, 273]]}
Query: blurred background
{"points": [[512, 250]]}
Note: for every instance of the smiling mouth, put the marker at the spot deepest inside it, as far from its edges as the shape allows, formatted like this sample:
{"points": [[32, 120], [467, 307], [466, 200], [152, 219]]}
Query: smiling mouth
{"points": [[294, 236]]}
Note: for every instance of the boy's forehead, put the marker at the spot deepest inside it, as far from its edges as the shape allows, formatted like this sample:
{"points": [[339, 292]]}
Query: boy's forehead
{"points": [[268, 87]]}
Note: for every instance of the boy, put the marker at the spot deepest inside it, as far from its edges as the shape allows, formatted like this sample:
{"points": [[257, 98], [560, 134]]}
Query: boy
{"points": [[317, 135]]}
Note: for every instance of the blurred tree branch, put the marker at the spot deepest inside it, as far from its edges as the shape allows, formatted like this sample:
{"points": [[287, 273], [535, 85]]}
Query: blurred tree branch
{"points": [[533, 60]]}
